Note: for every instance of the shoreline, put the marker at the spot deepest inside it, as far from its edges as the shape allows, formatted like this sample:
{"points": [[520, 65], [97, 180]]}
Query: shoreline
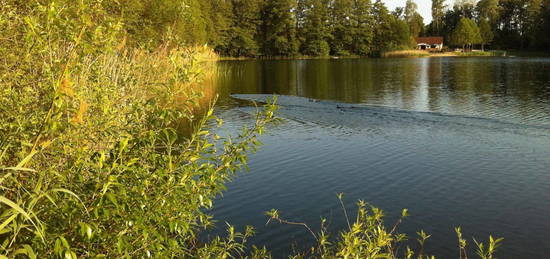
{"points": [[408, 54]]}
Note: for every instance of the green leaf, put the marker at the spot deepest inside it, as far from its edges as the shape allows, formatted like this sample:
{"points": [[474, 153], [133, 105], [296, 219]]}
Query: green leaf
{"points": [[63, 190], [18, 209], [26, 250], [26, 160], [7, 221]]}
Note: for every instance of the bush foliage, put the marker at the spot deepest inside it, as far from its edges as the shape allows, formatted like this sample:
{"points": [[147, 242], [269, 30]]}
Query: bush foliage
{"points": [[93, 161]]}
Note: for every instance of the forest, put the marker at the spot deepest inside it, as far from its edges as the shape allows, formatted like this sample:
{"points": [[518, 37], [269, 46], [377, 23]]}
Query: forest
{"points": [[504, 24], [270, 28]]}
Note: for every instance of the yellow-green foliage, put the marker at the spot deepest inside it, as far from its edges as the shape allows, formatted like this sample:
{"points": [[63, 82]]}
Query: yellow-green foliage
{"points": [[369, 237], [92, 162], [405, 53]]}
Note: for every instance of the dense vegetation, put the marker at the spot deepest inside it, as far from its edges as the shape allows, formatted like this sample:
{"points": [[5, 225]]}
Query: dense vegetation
{"points": [[504, 24], [251, 28], [268, 28], [96, 156], [94, 161]]}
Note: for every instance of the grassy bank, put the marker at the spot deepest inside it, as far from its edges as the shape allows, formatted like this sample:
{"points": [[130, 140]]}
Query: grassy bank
{"points": [[424, 53], [492, 53], [404, 54]]}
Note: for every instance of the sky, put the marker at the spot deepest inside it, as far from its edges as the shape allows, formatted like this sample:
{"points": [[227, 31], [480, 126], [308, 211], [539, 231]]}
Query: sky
{"points": [[424, 7]]}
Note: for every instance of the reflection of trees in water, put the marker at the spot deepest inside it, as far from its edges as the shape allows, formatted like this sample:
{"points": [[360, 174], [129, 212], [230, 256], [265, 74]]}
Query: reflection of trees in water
{"points": [[454, 85], [315, 78]]}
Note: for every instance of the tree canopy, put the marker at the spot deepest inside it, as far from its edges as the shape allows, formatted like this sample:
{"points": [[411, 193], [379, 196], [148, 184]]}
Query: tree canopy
{"points": [[505, 24], [466, 33], [251, 28]]}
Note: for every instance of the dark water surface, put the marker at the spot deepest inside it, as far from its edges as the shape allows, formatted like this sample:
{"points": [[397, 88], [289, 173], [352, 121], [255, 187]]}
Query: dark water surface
{"points": [[458, 141]]}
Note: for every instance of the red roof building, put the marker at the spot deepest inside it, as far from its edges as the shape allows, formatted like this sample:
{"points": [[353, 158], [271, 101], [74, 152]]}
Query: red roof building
{"points": [[428, 43]]}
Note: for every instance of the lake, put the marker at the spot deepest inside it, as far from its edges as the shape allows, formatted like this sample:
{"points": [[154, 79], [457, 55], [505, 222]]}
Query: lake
{"points": [[458, 141]]}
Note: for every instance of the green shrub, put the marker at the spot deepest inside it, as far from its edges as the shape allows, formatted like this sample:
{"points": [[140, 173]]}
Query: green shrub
{"points": [[93, 161], [369, 237]]}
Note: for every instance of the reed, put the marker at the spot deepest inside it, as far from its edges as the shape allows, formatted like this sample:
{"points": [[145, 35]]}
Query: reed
{"points": [[405, 53]]}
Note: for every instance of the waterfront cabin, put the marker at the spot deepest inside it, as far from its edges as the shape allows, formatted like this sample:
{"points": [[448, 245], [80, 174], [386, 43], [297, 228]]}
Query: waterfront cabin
{"points": [[430, 43]]}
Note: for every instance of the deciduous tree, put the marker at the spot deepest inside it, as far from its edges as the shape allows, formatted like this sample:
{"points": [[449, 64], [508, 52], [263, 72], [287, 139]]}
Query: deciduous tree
{"points": [[486, 33]]}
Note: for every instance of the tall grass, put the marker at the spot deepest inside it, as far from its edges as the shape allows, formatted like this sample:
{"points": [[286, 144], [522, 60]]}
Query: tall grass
{"points": [[404, 53]]}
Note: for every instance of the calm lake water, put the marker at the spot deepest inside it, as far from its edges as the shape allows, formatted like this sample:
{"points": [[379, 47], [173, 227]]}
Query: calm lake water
{"points": [[458, 141]]}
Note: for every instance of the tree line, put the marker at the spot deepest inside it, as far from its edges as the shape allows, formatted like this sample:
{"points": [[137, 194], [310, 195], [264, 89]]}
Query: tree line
{"points": [[251, 28], [504, 24], [269, 28]]}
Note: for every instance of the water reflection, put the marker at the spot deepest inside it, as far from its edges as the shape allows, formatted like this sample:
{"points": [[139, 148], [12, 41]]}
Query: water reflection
{"points": [[504, 88]]}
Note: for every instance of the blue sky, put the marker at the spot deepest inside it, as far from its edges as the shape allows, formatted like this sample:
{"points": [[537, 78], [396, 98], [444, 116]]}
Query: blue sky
{"points": [[424, 7]]}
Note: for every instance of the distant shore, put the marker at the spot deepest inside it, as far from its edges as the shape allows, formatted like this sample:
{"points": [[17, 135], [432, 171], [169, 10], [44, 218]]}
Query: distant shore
{"points": [[424, 53], [412, 54]]}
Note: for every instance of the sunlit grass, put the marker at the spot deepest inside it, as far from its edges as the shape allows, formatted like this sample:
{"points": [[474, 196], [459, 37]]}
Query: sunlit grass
{"points": [[405, 53]]}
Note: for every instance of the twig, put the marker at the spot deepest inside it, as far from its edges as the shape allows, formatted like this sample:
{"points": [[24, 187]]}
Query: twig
{"points": [[282, 221], [345, 211]]}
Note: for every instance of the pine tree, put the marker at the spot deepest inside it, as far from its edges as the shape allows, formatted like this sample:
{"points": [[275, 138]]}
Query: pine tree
{"points": [[413, 18], [438, 11], [191, 28], [243, 32], [316, 30], [383, 26], [488, 9], [220, 14], [279, 28], [466, 8], [532, 22], [400, 36], [545, 26], [363, 24], [341, 23], [410, 10]]}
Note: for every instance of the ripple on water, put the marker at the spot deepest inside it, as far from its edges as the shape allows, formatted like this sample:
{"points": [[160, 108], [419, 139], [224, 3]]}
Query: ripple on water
{"points": [[486, 175]]}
